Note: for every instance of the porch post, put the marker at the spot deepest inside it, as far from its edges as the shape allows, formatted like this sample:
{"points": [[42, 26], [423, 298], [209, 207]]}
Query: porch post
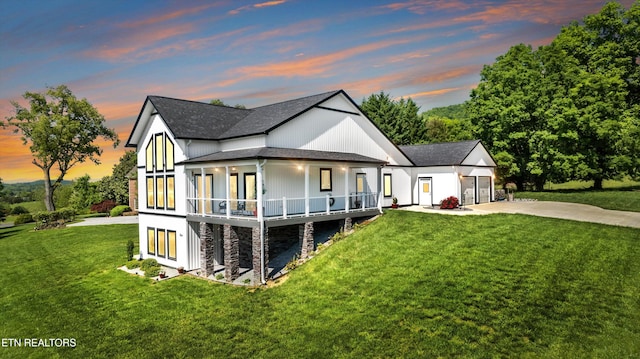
{"points": [[202, 182], [306, 190], [259, 190], [228, 192], [346, 189], [380, 189]]}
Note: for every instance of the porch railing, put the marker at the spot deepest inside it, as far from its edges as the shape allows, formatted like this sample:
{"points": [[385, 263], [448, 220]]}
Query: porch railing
{"points": [[283, 207]]}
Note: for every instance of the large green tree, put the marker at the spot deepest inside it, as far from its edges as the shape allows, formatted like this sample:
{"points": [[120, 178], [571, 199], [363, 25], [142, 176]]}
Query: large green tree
{"points": [[61, 131], [504, 110], [116, 186], [398, 120], [568, 110]]}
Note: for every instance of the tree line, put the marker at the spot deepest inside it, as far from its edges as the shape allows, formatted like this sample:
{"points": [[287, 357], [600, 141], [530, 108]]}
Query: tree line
{"points": [[567, 111]]}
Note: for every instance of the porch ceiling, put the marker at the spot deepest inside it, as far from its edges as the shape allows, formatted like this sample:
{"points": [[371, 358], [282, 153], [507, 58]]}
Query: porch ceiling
{"points": [[284, 154]]}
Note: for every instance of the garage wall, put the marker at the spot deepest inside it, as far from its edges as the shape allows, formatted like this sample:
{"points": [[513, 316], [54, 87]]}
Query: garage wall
{"points": [[444, 182]]}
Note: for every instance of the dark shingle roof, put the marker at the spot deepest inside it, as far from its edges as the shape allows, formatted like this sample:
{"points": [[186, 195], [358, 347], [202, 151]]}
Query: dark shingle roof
{"points": [[197, 120], [439, 154], [284, 153]]}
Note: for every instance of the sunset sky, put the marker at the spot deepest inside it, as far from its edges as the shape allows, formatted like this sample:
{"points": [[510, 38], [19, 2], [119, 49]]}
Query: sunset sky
{"points": [[115, 53]]}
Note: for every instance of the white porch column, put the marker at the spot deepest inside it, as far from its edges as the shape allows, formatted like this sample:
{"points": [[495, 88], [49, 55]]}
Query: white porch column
{"points": [[346, 189], [228, 191], [204, 190], [306, 190], [259, 191], [380, 189]]}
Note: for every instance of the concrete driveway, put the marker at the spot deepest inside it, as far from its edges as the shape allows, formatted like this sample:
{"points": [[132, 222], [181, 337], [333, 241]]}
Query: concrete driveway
{"points": [[563, 210], [98, 221]]}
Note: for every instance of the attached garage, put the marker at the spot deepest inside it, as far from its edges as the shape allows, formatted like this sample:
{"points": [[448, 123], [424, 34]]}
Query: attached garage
{"points": [[462, 169]]}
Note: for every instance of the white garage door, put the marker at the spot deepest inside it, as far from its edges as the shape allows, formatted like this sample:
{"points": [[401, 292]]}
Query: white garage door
{"points": [[468, 190], [484, 189]]}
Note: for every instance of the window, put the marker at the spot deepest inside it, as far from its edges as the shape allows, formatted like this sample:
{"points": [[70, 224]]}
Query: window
{"points": [[168, 149], [150, 193], [171, 240], [387, 185], [325, 179], [149, 158], [204, 195], [151, 241], [161, 243], [171, 189], [160, 158], [160, 192]]}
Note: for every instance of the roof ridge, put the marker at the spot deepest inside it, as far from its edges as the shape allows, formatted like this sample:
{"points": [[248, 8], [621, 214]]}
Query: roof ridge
{"points": [[298, 98]]}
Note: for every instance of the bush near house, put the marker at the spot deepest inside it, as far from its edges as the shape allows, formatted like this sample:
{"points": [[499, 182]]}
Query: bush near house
{"points": [[103, 207], [22, 219], [118, 210], [450, 203]]}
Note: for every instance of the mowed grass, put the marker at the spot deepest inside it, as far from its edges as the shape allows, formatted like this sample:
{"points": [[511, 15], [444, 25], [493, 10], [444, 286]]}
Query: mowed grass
{"points": [[406, 285]]}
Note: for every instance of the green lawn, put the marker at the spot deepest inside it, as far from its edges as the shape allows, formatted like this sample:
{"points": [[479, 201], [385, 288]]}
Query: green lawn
{"points": [[407, 285]]}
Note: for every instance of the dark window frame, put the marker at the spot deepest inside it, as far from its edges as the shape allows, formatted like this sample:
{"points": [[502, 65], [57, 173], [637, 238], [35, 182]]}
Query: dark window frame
{"points": [[384, 186], [330, 170], [152, 230], [175, 242]]}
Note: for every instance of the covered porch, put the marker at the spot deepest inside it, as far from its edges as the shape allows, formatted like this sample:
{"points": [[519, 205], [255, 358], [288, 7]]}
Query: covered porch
{"points": [[269, 187]]}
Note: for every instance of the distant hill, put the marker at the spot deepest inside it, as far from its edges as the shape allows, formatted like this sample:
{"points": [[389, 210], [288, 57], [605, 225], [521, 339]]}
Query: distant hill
{"points": [[454, 112], [26, 187]]}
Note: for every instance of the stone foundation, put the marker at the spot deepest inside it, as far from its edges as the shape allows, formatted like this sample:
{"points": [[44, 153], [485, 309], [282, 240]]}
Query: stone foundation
{"points": [[347, 224], [306, 237], [231, 254], [206, 249], [256, 253]]}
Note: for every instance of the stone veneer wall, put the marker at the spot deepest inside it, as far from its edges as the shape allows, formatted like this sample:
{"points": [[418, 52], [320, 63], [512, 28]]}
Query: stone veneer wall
{"points": [[306, 237], [231, 253], [206, 248], [257, 268], [244, 246]]}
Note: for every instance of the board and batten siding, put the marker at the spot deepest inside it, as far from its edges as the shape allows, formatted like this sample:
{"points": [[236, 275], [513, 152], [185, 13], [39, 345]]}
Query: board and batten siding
{"points": [[326, 130]]}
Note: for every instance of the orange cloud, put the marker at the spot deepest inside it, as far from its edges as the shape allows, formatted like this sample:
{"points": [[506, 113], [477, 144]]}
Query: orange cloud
{"points": [[256, 6], [304, 67], [422, 7], [168, 16], [126, 47], [436, 92]]}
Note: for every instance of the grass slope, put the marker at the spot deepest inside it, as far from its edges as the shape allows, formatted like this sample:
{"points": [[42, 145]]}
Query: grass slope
{"points": [[407, 285], [620, 200]]}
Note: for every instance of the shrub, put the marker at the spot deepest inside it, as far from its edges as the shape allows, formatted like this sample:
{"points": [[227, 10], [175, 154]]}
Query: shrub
{"points": [[133, 264], [19, 210], [152, 272], [23, 218], [130, 247], [219, 276], [53, 219], [148, 263], [449, 203], [103, 207], [118, 210]]}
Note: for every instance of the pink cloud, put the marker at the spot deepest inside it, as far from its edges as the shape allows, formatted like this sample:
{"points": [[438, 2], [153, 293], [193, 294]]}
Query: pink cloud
{"points": [[256, 6], [305, 66]]}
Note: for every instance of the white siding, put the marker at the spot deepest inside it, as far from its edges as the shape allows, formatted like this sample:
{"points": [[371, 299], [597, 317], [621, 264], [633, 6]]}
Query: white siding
{"points": [[179, 225], [478, 157], [199, 148], [400, 186], [325, 130], [340, 103], [444, 182], [243, 143]]}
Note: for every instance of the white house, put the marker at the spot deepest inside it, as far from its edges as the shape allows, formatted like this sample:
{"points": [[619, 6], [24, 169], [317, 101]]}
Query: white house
{"points": [[220, 186]]}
